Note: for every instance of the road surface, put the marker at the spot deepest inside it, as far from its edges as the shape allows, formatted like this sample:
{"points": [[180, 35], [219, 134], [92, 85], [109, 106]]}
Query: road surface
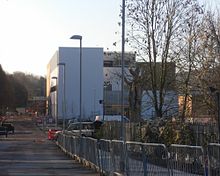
{"points": [[28, 152]]}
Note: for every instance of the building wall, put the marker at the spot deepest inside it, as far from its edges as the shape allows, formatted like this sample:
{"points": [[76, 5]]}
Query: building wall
{"points": [[92, 82], [170, 106], [112, 90], [51, 83], [112, 81], [51, 72]]}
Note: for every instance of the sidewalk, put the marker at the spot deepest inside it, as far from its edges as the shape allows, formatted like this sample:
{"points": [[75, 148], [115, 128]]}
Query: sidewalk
{"points": [[32, 154]]}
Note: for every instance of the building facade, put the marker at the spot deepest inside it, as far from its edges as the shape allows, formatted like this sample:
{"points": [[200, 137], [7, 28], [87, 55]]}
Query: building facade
{"points": [[112, 82], [63, 83]]}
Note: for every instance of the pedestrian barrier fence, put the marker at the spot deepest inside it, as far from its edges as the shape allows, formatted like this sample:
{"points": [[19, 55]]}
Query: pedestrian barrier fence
{"points": [[187, 160], [214, 159], [147, 159], [118, 160], [104, 155], [89, 150]]}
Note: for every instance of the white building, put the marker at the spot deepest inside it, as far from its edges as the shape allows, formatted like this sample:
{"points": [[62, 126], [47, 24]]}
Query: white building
{"points": [[92, 82]]}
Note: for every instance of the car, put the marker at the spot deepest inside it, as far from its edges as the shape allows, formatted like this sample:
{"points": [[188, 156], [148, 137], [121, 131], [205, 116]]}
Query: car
{"points": [[3, 131], [115, 118], [87, 129], [72, 120], [9, 127]]}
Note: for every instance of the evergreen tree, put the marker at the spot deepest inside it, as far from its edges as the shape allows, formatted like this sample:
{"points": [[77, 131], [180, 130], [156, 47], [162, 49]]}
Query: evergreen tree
{"points": [[5, 92]]}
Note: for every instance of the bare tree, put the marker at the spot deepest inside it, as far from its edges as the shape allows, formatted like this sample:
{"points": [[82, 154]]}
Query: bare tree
{"points": [[154, 27], [134, 82], [208, 72], [185, 52]]}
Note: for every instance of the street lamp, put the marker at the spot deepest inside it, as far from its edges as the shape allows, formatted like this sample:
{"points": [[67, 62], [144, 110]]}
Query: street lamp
{"points": [[122, 71], [216, 91], [64, 92], [79, 37], [56, 105], [122, 162]]}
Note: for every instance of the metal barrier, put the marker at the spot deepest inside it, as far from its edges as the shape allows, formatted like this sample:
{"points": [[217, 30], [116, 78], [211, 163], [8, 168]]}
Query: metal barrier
{"points": [[104, 156], [118, 156], [214, 159], [187, 160], [147, 159], [67, 144], [89, 150], [60, 140]]}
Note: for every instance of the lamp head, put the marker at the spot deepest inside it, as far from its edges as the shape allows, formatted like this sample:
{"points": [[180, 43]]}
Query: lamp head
{"points": [[76, 37]]}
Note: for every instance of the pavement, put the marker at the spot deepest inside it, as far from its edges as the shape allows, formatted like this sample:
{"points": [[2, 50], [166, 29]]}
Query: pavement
{"points": [[28, 152]]}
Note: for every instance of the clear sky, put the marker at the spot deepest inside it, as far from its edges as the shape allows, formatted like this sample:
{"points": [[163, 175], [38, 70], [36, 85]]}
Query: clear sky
{"points": [[32, 30]]}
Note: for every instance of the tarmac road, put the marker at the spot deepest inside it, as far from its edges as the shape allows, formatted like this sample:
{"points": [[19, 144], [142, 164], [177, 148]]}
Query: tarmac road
{"points": [[28, 152]]}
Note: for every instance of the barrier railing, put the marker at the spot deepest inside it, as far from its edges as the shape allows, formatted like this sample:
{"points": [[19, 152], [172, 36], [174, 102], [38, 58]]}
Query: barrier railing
{"points": [[104, 154], [146, 159], [89, 150], [187, 160], [118, 161], [214, 159], [135, 158]]}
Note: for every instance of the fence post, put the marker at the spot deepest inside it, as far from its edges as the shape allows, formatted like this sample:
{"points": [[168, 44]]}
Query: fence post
{"points": [[144, 158], [112, 162]]}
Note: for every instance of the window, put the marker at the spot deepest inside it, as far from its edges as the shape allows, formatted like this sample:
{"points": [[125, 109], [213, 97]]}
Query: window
{"points": [[108, 63]]}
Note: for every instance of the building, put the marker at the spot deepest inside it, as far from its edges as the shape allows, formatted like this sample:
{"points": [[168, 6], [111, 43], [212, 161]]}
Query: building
{"points": [[112, 82], [169, 93], [169, 108], [63, 83], [112, 87]]}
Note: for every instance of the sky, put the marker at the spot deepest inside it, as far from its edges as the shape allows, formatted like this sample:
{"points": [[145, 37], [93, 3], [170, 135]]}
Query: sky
{"points": [[32, 30]]}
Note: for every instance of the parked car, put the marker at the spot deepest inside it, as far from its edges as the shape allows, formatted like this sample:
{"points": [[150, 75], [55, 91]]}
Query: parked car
{"points": [[3, 131], [9, 127], [72, 120], [115, 118], [87, 129]]}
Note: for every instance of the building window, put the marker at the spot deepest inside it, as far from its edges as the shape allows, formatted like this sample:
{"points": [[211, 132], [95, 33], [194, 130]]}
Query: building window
{"points": [[108, 63]]}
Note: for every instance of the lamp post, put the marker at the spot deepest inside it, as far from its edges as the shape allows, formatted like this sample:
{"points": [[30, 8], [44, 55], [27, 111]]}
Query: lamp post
{"points": [[56, 104], [216, 91], [122, 71], [79, 37], [122, 162], [64, 92]]}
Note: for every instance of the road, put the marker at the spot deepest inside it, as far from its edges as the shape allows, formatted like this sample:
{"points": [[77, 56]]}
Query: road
{"points": [[28, 152]]}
